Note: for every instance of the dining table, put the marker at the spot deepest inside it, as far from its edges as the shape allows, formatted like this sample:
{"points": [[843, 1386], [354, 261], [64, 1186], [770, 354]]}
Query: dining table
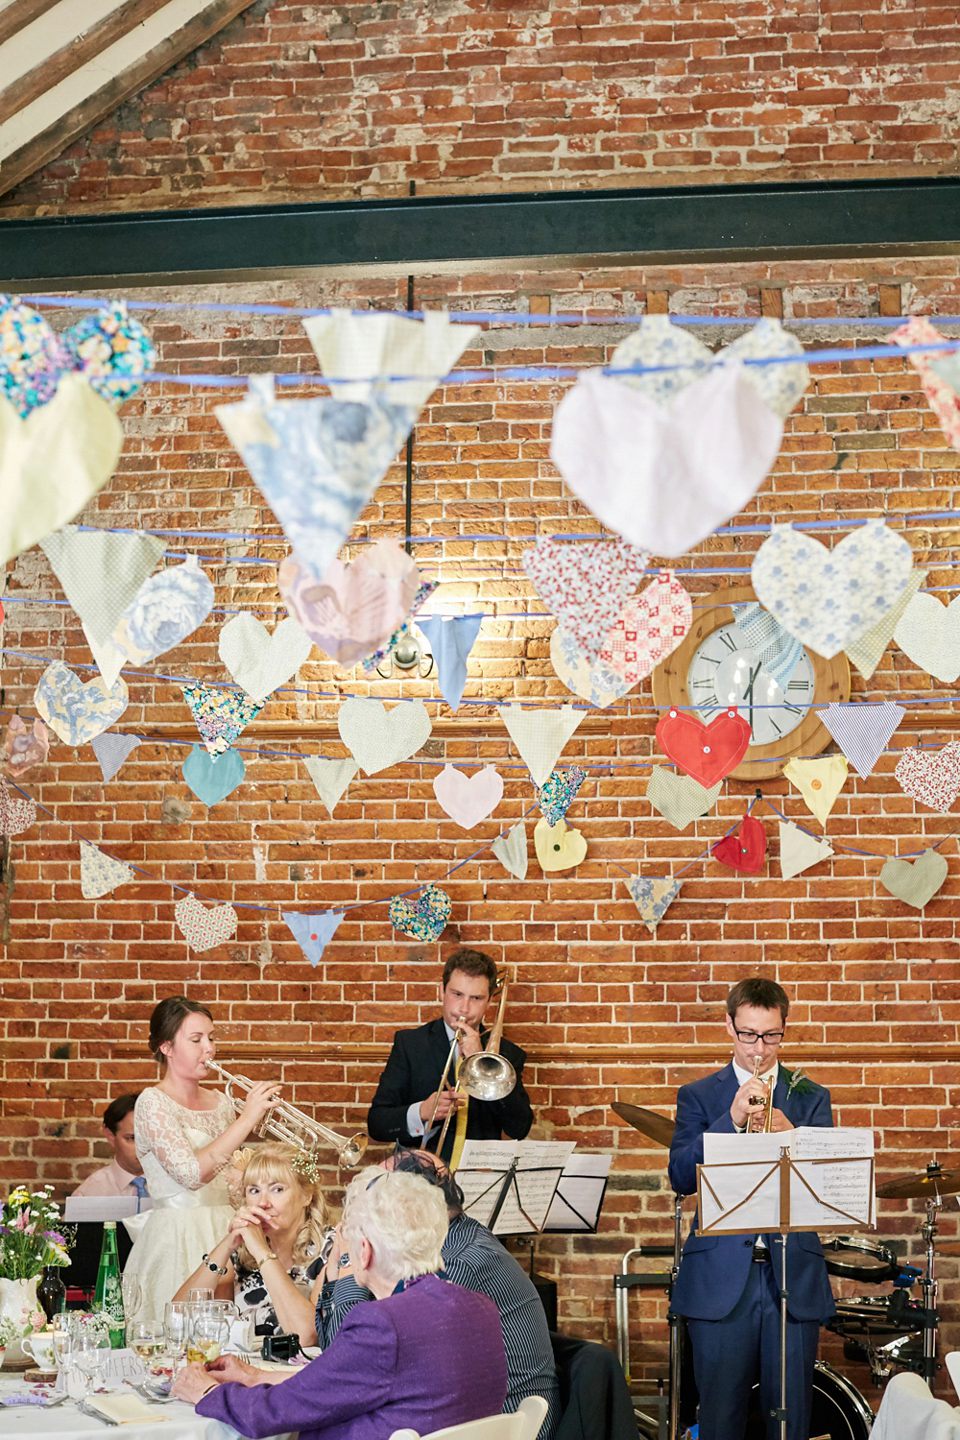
{"points": [[166, 1420]]}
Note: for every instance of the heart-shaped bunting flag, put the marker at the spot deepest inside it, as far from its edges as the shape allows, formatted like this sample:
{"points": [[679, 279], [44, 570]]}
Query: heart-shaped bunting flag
{"points": [[915, 884], [511, 850], [468, 799], [648, 628], [928, 633], [931, 776], [707, 752], [74, 711], [585, 585], [210, 779], [258, 661], [829, 598], [558, 846], [424, 917], [598, 684], [17, 813], [204, 927], [745, 850], [330, 777], [377, 737], [350, 610], [24, 745], [678, 798], [558, 792]]}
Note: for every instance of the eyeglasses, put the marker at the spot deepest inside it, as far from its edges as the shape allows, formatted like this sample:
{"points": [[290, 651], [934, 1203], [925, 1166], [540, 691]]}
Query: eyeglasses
{"points": [[749, 1037]]}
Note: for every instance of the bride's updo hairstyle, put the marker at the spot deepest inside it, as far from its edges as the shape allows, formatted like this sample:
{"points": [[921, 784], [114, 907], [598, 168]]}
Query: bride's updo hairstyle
{"points": [[166, 1020]]}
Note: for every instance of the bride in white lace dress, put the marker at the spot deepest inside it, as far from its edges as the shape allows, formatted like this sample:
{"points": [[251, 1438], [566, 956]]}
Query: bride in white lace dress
{"points": [[185, 1136]]}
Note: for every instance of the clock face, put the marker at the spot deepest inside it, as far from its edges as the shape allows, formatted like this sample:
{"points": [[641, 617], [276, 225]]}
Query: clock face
{"points": [[724, 672]]}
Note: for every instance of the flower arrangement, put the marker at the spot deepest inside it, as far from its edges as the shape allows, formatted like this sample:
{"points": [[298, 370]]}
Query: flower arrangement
{"points": [[12, 1330], [31, 1234]]}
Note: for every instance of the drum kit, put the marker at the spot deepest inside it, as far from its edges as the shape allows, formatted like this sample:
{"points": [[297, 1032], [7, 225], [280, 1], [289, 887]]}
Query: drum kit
{"points": [[890, 1332]]}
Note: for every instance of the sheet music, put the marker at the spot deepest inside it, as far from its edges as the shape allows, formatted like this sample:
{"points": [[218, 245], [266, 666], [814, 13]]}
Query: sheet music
{"points": [[844, 1189], [576, 1205], [481, 1171], [831, 1183]]}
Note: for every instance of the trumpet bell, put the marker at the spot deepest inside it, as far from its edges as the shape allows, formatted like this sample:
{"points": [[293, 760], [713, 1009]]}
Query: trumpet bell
{"points": [[487, 1076]]}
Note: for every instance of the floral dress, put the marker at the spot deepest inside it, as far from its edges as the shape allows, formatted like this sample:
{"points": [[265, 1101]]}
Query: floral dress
{"points": [[250, 1294]]}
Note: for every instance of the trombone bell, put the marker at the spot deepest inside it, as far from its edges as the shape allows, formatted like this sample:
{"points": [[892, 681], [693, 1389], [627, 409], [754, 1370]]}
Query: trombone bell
{"points": [[487, 1076]]}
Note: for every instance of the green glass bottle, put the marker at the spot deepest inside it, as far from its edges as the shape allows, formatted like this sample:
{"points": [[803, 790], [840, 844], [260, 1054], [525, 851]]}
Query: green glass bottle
{"points": [[108, 1296]]}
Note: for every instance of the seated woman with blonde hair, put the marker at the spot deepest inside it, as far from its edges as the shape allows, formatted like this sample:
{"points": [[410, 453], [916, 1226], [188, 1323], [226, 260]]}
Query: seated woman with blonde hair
{"points": [[271, 1260]]}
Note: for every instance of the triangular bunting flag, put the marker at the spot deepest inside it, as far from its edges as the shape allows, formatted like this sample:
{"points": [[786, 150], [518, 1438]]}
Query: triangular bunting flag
{"points": [[451, 640], [112, 750], [317, 461], [558, 792], [99, 873], [798, 850], [357, 352], [862, 731], [866, 652], [313, 932], [819, 782], [101, 572], [540, 735], [653, 898], [165, 610], [221, 714], [511, 850], [331, 778]]}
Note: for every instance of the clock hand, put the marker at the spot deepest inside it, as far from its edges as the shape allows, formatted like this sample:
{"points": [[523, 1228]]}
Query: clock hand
{"points": [[748, 692]]}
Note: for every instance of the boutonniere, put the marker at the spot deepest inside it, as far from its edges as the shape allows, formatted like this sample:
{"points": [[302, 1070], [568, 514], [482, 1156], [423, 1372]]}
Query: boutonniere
{"points": [[797, 1080]]}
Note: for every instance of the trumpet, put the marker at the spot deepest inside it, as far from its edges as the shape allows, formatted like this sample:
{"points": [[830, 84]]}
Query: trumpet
{"points": [[766, 1119], [486, 1075], [285, 1122]]}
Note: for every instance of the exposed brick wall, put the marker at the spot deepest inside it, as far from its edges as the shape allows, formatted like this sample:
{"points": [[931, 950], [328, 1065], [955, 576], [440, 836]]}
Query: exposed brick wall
{"points": [[603, 1008], [317, 101]]}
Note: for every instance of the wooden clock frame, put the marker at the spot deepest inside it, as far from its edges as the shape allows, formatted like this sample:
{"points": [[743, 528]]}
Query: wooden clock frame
{"points": [[762, 762]]}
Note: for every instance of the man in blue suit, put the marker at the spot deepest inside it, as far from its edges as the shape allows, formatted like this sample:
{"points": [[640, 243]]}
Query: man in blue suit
{"points": [[728, 1287]]}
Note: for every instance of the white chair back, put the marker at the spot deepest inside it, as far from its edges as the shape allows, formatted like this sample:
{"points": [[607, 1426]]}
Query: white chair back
{"points": [[909, 1412], [523, 1424]]}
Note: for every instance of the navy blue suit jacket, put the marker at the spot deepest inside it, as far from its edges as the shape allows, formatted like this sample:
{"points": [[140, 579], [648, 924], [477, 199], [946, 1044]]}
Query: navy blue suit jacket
{"points": [[714, 1268]]}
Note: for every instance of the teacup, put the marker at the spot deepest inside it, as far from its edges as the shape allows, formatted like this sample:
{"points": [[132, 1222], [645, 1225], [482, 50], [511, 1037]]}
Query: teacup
{"points": [[39, 1346]]}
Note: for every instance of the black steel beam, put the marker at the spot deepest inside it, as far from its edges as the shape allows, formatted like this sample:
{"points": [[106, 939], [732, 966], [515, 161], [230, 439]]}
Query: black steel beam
{"points": [[717, 222]]}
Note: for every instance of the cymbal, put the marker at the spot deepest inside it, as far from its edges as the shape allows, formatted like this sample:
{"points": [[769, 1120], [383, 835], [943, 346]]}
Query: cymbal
{"points": [[656, 1127], [947, 1247], [908, 1187]]}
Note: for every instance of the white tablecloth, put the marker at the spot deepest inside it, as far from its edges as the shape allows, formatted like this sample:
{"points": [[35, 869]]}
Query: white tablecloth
{"points": [[175, 1421]]}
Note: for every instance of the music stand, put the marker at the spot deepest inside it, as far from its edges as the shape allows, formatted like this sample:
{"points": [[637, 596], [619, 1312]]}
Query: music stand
{"points": [[509, 1185], [763, 1194]]}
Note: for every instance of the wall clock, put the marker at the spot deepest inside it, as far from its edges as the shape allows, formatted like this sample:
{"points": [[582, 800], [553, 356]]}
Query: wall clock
{"points": [[711, 669]]}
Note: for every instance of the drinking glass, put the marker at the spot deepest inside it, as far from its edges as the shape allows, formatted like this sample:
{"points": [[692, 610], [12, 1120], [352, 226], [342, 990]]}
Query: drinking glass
{"points": [[132, 1296], [176, 1323], [200, 1296], [91, 1350], [63, 1340], [147, 1339], [210, 1331]]}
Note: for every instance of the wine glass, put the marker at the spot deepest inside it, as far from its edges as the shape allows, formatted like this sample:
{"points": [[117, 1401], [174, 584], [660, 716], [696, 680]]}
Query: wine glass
{"points": [[147, 1339], [176, 1324], [91, 1349], [63, 1340], [132, 1296], [210, 1331]]}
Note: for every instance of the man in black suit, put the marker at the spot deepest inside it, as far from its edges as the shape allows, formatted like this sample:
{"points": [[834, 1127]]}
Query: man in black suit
{"points": [[407, 1092]]}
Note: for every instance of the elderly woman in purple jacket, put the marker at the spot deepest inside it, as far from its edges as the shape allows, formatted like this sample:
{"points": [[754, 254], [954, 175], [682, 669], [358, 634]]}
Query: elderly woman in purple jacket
{"points": [[428, 1355]]}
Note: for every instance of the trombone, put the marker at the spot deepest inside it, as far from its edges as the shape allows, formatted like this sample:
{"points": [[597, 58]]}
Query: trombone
{"points": [[766, 1120], [286, 1122], [486, 1075]]}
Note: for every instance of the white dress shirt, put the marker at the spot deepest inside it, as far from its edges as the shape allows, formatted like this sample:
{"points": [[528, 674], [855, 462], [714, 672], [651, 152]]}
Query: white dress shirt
{"points": [[111, 1180]]}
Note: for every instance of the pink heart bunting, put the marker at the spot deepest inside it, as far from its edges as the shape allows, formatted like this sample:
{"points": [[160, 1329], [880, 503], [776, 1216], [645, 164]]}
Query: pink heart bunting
{"points": [[202, 928], [468, 799], [585, 585], [24, 745], [16, 815], [933, 778], [350, 610], [648, 628]]}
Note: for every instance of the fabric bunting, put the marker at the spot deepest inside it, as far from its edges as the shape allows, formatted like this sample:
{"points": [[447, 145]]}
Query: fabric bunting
{"points": [[258, 661], [934, 371], [558, 847], [221, 715], [819, 781], [928, 633], [313, 933], [917, 883], [451, 639], [358, 353], [204, 927], [511, 850], [167, 608], [99, 873], [558, 792], [866, 652], [377, 737], [212, 778], [74, 711], [330, 778], [317, 461], [678, 798], [653, 898], [862, 731], [424, 918], [468, 799], [112, 750], [776, 649], [351, 610], [585, 585], [799, 851], [18, 813], [540, 735], [24, 745], [101, 572], [932, 777]]}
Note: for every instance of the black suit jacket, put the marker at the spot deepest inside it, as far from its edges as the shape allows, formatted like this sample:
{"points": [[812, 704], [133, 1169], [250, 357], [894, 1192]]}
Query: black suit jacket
{"points": [[413, 1072]]}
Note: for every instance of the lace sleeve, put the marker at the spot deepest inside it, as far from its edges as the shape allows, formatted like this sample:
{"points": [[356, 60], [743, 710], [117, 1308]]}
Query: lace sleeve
{"points": [[160, 1131]]}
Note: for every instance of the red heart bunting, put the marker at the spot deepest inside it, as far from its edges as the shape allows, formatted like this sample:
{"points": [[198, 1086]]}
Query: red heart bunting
{"points": [[707, 752], [745, 850]]}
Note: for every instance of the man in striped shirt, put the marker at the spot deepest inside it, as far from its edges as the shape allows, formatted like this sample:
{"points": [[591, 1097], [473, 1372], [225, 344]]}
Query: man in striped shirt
{"points": [[475, 1259]]}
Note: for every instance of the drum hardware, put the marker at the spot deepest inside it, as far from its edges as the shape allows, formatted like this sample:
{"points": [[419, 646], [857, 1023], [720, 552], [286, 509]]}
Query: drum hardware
{"points": [[295, 1127], [903, 1353], [871, 1315], [839, 1410], [765, 1124], [650, 1280]]}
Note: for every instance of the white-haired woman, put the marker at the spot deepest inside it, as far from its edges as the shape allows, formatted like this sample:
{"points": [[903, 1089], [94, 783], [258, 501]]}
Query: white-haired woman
{"points": [[428, 1355], [270, 1262]]}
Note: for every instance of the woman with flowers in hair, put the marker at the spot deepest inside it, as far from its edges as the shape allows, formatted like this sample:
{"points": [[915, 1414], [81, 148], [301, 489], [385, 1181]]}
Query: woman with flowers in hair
{"points": [[272, 1258]]}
